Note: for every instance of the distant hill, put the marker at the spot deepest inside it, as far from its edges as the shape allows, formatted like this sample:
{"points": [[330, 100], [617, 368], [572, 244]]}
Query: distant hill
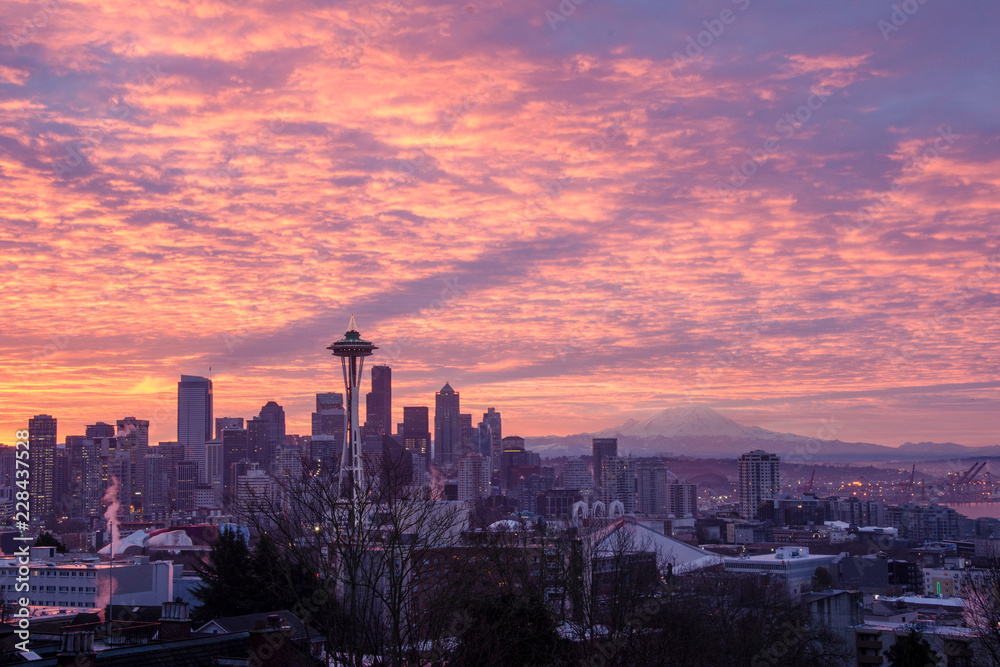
{"points": [[702, 432]]}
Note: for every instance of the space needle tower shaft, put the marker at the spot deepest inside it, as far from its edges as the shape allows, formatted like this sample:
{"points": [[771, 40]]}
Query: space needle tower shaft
{"points": [[352, 351]]}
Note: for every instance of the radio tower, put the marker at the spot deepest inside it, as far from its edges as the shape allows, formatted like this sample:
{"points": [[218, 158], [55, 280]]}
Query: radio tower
{"points": [[352, 351]]}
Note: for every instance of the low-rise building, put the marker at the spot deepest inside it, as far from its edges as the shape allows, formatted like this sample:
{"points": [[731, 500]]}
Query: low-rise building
{"points": [[64, 581], [795, 565]]}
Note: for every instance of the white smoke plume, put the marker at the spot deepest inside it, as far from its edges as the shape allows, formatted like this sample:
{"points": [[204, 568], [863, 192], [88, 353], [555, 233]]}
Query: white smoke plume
{"points": [[437, 483], [106, 585], [111, 513]]}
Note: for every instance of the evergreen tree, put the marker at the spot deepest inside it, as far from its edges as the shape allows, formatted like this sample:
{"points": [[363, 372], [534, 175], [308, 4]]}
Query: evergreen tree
{"points": [[510, 630], [911, 650], [227, 580], [49, 540]]}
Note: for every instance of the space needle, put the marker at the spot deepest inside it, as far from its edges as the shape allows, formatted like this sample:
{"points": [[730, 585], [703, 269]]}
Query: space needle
{"points": [[352, 351]]}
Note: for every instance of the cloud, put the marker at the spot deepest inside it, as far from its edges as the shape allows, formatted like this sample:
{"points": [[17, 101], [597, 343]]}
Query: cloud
{"points": [[532, 208]]}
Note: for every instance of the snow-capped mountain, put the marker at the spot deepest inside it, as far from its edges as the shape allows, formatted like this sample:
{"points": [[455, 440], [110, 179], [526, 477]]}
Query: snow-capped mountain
{"points": [[702, 432], [692, 421]]}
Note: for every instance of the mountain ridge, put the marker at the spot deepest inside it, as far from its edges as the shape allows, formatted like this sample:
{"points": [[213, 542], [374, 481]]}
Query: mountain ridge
{"points": [[703, 432]]}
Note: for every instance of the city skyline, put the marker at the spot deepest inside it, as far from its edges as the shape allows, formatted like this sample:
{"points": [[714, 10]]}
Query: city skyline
{"points": [[781, 211]]}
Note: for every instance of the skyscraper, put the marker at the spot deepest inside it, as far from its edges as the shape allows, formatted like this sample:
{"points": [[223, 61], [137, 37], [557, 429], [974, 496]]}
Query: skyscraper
{"points": [[474, 473], [275, 416], [154, 501], [492, 419], [576, 475], [213, 462], [330, 420], [603, 448], [447, 426], [41, 485], [235, 447], [194, 420], [416, 430], [133, 437], [85, 476], [661, 492], [618, 475], [258, 443], [187, 480], [378, 402], [759, 473], [100, 430], [226, 422], [482, 441], [465, 423]]}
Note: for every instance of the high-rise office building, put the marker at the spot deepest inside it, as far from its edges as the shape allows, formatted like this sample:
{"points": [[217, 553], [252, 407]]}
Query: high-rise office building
{"points": [[330, 421], [61, 482], [85, 476], [275, 416], [603, 448], [213, 460], [474, 472], [492, 420], [482, 442], [155, 485], [41, 484], [187, 481], [618, 475], [576, 475], [259, 443], [172, 454], [226, 422], [514, 454], [99, 430], [447, 426], [194, 420], [465, 424], [378, 402], [416, 430], [133, 437], [759, 479], [235, 447], [661, 492]]}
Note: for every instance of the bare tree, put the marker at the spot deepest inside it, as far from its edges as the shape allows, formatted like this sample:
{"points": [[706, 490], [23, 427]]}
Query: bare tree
{"points": [[981, 590], [719, 618], [367, 546]]}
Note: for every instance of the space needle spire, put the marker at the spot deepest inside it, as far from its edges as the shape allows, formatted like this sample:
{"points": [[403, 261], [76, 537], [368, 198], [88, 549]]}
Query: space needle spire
{"points": [[352, 351]]}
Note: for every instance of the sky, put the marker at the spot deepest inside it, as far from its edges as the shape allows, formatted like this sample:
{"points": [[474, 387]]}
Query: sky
{"points": [[577, 212]]}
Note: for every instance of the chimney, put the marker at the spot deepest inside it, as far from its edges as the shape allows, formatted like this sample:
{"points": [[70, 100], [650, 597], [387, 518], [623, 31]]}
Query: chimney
{"points": [[175, 624], [268, 643], [77, 650]]}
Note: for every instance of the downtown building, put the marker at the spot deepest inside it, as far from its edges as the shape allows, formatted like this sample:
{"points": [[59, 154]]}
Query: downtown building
{"points": [[661, 493], [759, 480], [603, 448], [415, 431], [474, 474], [493, 425], [378, 403], [619, 483], [42, 462], [577, 476], [194, 420], [447, 427]]}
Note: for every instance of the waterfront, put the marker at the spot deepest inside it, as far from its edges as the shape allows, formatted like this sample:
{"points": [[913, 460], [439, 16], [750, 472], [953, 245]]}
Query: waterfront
{"points": [[977, 510]]}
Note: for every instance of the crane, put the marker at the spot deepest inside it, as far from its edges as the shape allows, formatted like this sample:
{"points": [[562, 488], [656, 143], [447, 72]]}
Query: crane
{"points": [[968, 480], [808, 486], [909, 484]]}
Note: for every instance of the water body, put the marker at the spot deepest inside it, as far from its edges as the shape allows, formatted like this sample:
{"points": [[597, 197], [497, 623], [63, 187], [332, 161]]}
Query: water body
{"points": [[977, 510]]}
